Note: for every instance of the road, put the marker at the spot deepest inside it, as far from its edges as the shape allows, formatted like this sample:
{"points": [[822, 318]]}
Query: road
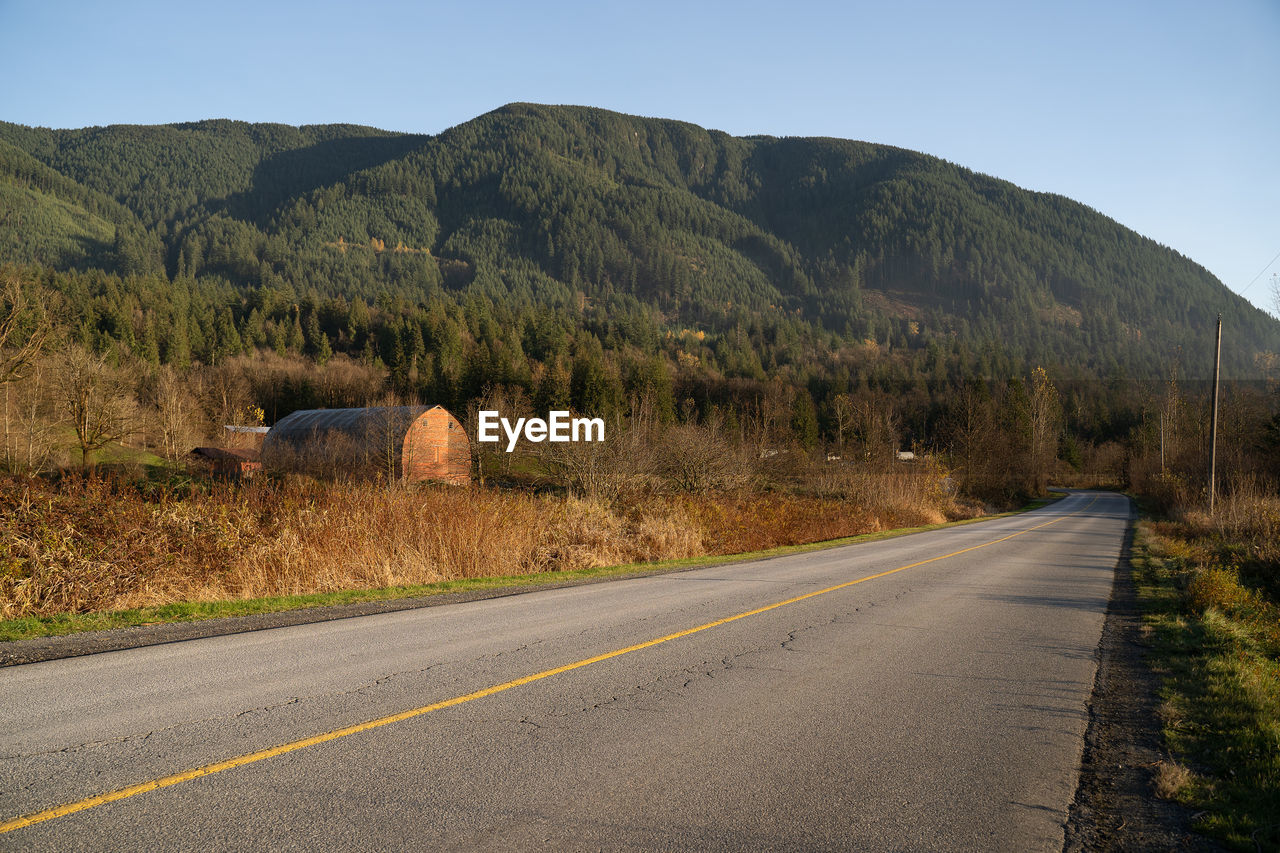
{"points": [[927, 692]]}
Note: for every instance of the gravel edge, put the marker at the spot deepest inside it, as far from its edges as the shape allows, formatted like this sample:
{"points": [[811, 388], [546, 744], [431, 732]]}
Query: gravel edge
{"points": [[1115, 806]]}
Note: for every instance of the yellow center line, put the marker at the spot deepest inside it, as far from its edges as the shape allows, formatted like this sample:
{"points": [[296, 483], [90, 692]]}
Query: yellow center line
{"points": [[231, 763]]}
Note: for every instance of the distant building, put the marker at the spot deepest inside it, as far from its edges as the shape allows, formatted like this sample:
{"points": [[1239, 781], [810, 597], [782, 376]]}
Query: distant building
{"points": [[406, 443], [231, 462]]}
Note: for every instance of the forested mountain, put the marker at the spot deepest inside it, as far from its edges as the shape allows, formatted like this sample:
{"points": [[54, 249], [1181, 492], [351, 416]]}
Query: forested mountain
{"points": [[539, 238]]}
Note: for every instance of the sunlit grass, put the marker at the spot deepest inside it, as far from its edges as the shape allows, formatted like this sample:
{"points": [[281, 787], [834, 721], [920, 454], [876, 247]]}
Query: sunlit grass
{"points": [[1207, 586], [89, 554]]}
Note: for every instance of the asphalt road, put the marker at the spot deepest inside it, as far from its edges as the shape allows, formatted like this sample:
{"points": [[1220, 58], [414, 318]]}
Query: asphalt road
{"points": [[937, 707]]}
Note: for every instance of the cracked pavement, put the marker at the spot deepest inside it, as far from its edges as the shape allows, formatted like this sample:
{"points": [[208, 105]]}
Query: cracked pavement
{"points": [[940, 707]]}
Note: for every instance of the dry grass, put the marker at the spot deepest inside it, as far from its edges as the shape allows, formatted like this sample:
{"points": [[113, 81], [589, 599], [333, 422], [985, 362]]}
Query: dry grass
{"points": [[1171, 779], [85, 545], [1248, 514], [1211, 587], [735, 524], [903, 495], [1234, 559], [98, 544]]}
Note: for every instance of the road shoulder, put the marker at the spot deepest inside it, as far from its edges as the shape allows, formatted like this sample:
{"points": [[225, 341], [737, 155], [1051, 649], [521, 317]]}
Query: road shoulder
{"points": [[37, 649], [1115, 806]]}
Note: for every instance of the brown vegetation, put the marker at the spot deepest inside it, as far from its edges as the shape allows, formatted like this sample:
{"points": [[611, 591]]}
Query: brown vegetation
{"points": [[708, 483], [101, 543]]}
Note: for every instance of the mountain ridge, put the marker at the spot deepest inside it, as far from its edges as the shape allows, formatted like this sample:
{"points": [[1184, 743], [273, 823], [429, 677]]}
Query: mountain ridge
{"points": [[538, 205]]}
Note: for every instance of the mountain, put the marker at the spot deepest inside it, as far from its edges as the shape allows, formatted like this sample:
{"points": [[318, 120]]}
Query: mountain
{"points": [[787, 255]]}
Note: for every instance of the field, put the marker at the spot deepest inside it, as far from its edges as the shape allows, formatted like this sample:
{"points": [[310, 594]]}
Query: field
{"points": [[104, 543]]}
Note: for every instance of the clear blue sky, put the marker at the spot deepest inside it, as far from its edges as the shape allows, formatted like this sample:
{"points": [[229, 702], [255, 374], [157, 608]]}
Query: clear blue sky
{"points": [[1163, 114]]}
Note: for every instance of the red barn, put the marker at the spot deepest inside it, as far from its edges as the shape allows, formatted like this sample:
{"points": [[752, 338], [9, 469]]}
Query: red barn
{"points": [[410, 443]]}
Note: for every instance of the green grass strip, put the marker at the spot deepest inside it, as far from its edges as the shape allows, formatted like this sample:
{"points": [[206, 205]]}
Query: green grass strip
{"points": [[1221, 699]]}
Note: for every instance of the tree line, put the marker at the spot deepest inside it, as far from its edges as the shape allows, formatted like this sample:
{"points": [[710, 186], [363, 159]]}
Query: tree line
{"points": [[106, 358]]}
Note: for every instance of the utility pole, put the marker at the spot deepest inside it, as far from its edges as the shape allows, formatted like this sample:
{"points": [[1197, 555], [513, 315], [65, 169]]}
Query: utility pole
{"points": [[1162, 444], [1213, 427]]}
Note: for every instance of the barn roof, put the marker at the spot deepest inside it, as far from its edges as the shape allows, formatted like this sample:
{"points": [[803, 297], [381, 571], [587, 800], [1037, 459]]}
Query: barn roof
{"points": [[357, 423]]}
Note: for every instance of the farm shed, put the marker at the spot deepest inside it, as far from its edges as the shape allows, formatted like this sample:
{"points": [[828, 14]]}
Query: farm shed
{"points": [[411, 443], [229, 462]]}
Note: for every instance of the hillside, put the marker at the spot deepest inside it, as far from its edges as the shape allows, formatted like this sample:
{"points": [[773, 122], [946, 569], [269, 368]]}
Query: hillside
{"points": [[788, 256]]}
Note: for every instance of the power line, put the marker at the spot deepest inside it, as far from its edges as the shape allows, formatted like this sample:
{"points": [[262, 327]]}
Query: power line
{"points": [[1260, 272]]}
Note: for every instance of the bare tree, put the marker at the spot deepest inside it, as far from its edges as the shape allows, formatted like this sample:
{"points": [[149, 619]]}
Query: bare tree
{"points": [[768, 420], [471, 423], [226, 397], [384, 427], [605, 470], [700, 458], [842, 412], [24, 326], [343, 383], [29, 424], [174, 413], [510, 402], [875, 427], [1045, 413], [98, 400], [974, 436], [329, 456]]}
